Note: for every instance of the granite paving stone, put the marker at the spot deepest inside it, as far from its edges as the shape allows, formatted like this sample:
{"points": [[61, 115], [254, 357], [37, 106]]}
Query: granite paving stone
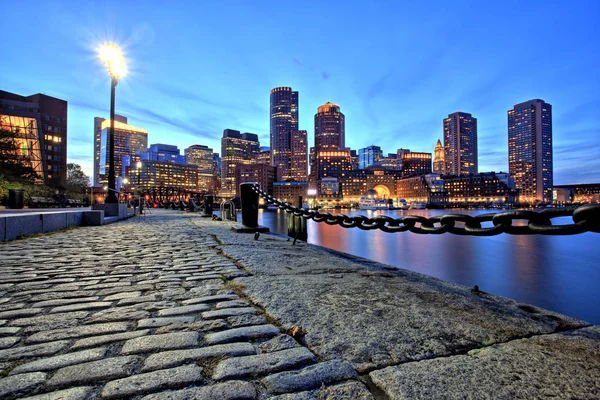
{"points": [[241, 367], [310, 377], [64, 302], [9, 330], [165, 341], [77, 332], [156, 322], [520, 369], [190, 309], [76, 393], [231, 304], [47, 364], [16, 384], [174, 358], [104, 339], [210, 299], [228, 312], [9, 341], [279, 342], [36, 350], [230, 390], [83, 306], [94, 371], [152, 381], [123, 295], [239, 334], [19, 313]]}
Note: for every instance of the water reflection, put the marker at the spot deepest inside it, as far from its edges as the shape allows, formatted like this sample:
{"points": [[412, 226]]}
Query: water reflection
{"points": [[561, 273]]}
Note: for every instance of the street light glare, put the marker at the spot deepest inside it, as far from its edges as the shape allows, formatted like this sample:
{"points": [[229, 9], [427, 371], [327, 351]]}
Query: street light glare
{"points": [[112, 56]]}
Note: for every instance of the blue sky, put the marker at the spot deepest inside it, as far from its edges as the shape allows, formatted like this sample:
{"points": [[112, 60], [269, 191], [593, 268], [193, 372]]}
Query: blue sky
{"points": [[396, 69]]}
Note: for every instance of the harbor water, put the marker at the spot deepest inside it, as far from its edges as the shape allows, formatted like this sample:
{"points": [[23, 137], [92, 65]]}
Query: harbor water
{"points": [[559, 273]]}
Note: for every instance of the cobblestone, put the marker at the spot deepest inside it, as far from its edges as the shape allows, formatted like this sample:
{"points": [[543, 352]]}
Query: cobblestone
{"points": [[210, 299], [174, 358], [37, 350], [191, 309], [76, 332], [23, 312], [64, 302], [231, 390], [76, 393], [240, 367], [245, 333], [165, 341], [9, 341], [47, 364], [156, 322], [152, 381], [104, 339], [83, 306], [228, 312], [310, 377], [13, 385], [101, 370], [9, 330]]}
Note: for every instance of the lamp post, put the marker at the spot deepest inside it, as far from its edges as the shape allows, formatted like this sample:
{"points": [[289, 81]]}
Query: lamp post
{"points": [[112, 57], [139, 168]]}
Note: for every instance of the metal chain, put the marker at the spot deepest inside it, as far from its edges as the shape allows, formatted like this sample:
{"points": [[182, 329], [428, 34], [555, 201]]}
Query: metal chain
{"points": [[586, 218]]}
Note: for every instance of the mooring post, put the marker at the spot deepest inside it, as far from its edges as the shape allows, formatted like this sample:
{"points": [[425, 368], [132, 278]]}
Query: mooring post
{"points": [[249, 200], [208, 205], [297, 225]]}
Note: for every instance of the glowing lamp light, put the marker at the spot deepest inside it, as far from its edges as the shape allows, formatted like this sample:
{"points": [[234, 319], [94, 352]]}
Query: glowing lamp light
{"points": [[112, 56]]}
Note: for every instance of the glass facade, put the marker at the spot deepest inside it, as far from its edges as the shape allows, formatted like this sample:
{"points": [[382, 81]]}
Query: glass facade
{"points": [[284, 131], [460, 144], [27, 142], [129, 140], [530, 150], [369, 156]]}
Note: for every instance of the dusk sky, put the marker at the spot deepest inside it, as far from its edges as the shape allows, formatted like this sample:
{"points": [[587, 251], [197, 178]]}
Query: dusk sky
{"points": [[395, 68]]}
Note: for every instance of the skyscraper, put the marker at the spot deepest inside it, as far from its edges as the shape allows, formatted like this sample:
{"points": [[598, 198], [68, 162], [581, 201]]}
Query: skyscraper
{"points": [[438, 158], [202, 157], [284, 132], [330, 132], [129, 140], [330, 128], [236, 149], [97, 145], [42, 123], [460, 144], [530, 150]]}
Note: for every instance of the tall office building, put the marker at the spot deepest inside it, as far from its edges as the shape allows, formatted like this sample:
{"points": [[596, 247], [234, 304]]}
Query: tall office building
{"points": [[460, 144], [236, 149], [530, 150], [330, 128], [438, 158], [369, 156], [286, 153], [97, 145], [129, 140], [202, 157], [415, 163], [42, 123]]}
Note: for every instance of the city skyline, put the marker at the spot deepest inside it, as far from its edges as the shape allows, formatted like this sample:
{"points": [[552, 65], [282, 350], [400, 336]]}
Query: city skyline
{"points": [[395, 80]]}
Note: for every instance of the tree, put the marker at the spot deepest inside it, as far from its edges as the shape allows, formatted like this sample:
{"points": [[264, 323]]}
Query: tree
{"points": [[13, 165], [77, 180]]}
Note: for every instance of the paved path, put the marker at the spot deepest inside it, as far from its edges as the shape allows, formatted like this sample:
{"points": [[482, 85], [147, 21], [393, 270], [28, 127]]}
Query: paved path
{"points": [[174, 306]]}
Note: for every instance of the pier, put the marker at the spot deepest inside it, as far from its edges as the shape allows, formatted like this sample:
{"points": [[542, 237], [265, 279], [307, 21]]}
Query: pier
{"points": [[170, 305]]}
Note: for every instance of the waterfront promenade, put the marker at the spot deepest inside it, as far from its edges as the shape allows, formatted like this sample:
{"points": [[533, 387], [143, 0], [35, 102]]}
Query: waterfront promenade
{"points": [[175, 306]]}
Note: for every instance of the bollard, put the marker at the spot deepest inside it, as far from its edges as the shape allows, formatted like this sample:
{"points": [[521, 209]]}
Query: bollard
{"points": [[249, 200], [297, 225], [208, 205]]}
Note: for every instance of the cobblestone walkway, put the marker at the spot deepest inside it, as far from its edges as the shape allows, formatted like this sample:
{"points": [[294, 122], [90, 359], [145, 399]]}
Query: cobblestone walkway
{"points": [[145, 308]]}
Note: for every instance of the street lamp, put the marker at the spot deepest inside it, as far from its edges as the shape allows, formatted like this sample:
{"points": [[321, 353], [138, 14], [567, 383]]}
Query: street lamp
{"points": [[139, 168], [112, 56]]}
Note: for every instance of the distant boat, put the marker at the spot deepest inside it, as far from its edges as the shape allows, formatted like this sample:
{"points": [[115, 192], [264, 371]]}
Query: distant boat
{"points": [[370, 203], [417, 206], [402, 205]]}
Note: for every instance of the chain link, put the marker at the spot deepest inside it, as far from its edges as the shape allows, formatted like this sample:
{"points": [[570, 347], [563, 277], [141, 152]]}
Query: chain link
{"points": [[585, 219]]}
